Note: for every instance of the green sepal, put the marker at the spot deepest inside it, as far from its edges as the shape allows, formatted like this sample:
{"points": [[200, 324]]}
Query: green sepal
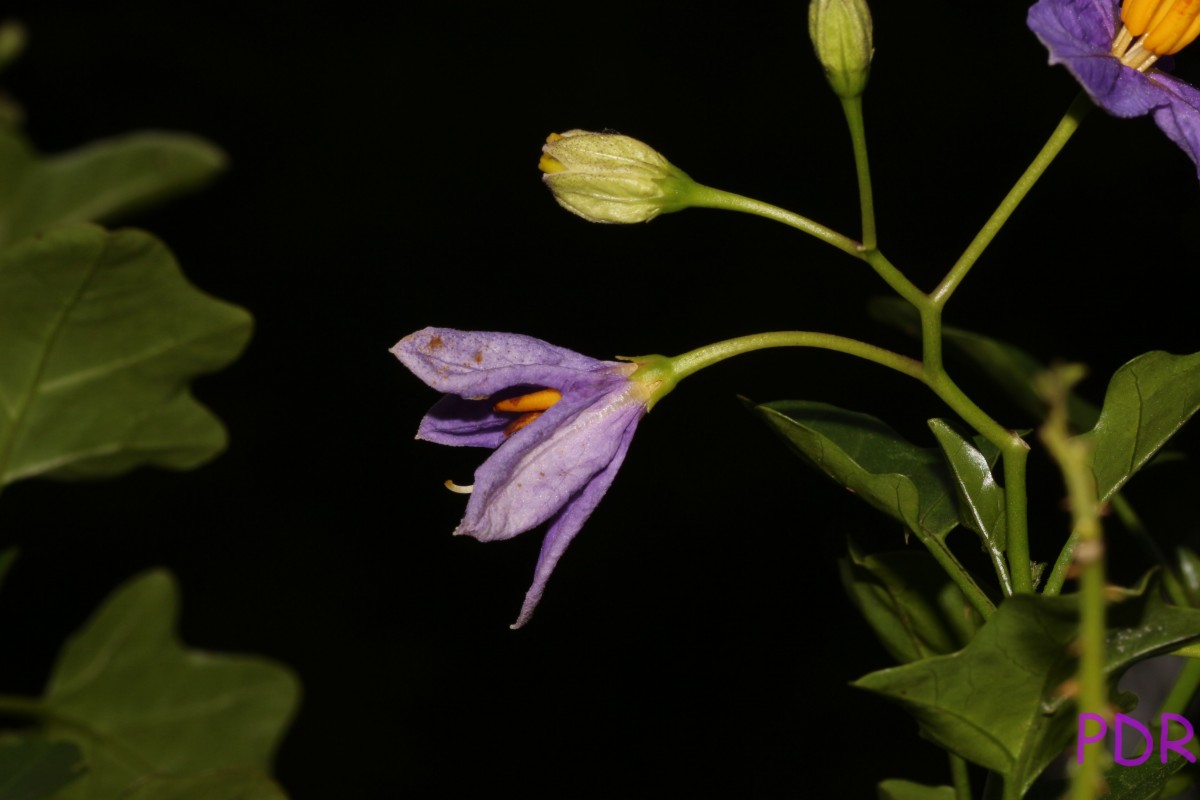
{"points": [[100, 335]]}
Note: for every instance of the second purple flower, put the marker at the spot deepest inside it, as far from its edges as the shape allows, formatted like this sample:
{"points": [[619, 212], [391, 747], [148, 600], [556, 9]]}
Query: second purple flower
{"points": [[559, 422]]}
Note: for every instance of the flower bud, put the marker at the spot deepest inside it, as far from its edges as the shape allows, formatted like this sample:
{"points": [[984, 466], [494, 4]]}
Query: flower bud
{"points": [[606, 177], [841, 34]]}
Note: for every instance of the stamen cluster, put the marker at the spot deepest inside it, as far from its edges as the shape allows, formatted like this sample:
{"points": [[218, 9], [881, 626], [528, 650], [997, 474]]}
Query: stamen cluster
{"points": [[1154, 28]]}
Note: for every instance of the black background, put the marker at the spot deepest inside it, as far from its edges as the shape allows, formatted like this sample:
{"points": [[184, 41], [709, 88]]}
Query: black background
{"points": [[383, 179]]}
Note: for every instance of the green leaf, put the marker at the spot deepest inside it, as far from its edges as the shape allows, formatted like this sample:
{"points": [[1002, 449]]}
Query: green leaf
{"points": [[229, 784], [896, 789], [980, 498], [1188, 571], [1143, 782], [139, 704], [1147, 401], [34, 770], [1008, 366], [910, 602], [995, 701], [96, 182], [100, 334], [7, 557], [12, 42], [870, 459]]}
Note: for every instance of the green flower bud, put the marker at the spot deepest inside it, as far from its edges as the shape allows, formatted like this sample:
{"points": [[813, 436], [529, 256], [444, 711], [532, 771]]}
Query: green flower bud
{"points": [[606, 177], [841, 34]]}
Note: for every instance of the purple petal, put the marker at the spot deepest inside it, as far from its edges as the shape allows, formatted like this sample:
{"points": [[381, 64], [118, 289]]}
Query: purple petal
{"points": [[1079, 34], [477, 364], [536, 473], [1074, 27], [1179, 118], [464, 423], [568, 523]]}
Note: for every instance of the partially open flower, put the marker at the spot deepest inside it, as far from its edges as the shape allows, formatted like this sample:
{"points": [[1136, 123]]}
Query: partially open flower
{"points": [[1114, 50], [607, 177], [560, 424]]}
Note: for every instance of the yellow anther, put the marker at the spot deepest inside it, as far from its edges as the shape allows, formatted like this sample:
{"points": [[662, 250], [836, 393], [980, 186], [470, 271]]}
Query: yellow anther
{"points": [[550, 164], [520, 422], [454, 487], [534, 401], [1167, 25], [554, 137]]}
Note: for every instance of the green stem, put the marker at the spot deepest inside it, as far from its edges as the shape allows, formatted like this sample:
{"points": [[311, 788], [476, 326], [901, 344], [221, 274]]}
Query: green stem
{"points": [[1058, 574], [1133, 523], [1066, 127], [18, 706], [1074, 459], [958, 774], [1016, 517], [852, 107], [700, 358], [693, 361], [708, 197], [1015, 452], [1184, 689], [942, 554], [895, 278]]}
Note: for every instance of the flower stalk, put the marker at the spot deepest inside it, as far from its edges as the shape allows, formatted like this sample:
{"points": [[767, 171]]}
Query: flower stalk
{"points": [[853, 110], [1050, 150]]}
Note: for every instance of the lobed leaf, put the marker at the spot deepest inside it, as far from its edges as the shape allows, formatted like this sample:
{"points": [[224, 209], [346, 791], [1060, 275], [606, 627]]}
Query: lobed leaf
{"points": [[140, 705], [96, 182], [100, 335], [996, 702]]}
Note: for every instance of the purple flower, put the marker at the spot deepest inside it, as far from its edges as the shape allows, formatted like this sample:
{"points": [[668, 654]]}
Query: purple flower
{"points": [[560, 424], [1113, 52]]}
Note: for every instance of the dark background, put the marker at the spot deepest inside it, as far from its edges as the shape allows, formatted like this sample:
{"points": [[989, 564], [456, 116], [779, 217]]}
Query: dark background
{"points": [[383, 179]]}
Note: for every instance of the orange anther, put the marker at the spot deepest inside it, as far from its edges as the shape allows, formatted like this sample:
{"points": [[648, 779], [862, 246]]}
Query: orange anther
{"points": [[534, 401]]}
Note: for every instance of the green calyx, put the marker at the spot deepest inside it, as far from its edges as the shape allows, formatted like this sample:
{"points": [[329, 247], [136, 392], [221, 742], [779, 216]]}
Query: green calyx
{"points": [[607, 177], [841, 32], [657, 375]]}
